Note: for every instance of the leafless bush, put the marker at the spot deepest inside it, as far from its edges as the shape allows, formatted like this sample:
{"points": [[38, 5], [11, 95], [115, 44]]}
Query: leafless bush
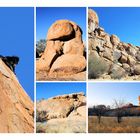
{"points": [[118, 104], [99, 110]]}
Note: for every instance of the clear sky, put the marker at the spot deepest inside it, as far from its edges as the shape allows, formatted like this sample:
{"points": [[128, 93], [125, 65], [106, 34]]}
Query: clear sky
{"points": [[46, 16], [124, 22], [105, 93], [47, 90], [17, 38]]}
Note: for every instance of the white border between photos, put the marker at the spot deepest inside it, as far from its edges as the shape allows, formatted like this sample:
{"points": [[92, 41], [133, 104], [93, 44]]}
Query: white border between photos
{"points": [[73, 3], [34, 70], [69, 136], [87, 69], [69, 3]]}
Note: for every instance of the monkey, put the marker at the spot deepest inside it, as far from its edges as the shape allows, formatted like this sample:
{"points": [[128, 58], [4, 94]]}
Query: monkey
{"points": [[10, 61]]}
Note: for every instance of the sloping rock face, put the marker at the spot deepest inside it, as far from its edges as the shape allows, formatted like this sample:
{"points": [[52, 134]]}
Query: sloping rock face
{"points": [[109, 58], [62, 114], [16, 108], [64, 53]]}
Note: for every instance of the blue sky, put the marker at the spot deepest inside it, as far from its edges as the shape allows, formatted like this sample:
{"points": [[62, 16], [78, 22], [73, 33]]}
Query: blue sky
{"points": [[46, 16], [47, 90], [124, 22], [17, 38], [105, 93]]}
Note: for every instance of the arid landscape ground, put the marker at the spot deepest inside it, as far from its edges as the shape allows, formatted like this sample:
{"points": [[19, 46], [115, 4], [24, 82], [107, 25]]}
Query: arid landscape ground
{"points": [[110, 125]]}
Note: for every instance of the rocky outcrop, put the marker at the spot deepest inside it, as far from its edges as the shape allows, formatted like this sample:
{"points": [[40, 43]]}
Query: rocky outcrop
{"points": [[16, 108], [10, 61], [109, 57], [65, 113], [64, 53]]}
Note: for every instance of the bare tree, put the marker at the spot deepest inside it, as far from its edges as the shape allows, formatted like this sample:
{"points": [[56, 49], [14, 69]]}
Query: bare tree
{"points": [[119, 111], [99, 110]]}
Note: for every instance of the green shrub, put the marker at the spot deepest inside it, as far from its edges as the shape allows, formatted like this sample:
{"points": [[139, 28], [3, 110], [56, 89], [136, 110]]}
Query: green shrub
{"points": [[41, 116], [96, 67], [41, 45]]}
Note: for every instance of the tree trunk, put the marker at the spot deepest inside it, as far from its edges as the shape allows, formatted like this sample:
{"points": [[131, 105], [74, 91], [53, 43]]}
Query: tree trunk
{"points": [[119, 119], [99, 119]]}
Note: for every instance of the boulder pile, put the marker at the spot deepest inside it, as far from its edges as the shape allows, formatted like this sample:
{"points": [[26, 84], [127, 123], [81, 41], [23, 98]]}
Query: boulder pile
{"points": [[109, 57]]}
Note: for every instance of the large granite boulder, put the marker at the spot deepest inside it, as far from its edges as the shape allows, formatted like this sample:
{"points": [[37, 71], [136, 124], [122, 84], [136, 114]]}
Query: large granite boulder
{"points": [[65, 113]]}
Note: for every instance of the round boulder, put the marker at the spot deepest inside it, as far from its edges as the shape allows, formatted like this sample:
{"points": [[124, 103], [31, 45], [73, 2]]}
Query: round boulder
{"points": [[68, 64], [61, 29], [114, 40], [117, 72], [137, 69], [93, 16]]}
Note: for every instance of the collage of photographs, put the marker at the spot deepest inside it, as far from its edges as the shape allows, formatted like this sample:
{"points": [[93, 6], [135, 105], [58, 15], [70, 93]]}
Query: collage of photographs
{"points": [[69, 70]]}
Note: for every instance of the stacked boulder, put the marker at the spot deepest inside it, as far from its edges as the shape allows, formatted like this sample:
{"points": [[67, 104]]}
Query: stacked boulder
{"points": [[109, 58], [65, 113], [64, 53]]}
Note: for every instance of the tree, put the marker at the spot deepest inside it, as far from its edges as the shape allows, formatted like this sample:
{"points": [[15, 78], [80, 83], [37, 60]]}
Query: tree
{"points": [[99, 110], [40, 47], [119, 111]]}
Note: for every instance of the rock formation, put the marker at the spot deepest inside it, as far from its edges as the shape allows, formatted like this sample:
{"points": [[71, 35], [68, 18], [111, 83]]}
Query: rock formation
{"points": [[109, 58], [16, 108], [65, 113], [64, 53], [10, 61]]}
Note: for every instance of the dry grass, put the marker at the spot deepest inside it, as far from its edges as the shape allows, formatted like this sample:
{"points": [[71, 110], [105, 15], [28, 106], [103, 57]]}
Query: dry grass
{"points": [[110, 125], [43, 76]]}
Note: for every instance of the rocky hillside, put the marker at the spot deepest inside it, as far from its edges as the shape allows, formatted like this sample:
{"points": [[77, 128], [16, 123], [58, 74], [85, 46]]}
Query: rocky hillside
{"points": [[109, 57], [63, 58], [65, 113], [16, 108]]}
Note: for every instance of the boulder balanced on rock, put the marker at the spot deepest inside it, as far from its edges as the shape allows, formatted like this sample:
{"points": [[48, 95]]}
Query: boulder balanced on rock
{"points": [[64, 53]]}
